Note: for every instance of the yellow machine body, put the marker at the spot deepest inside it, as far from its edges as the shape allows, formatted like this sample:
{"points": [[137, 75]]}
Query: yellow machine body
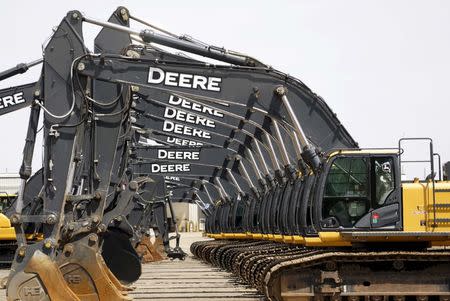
{"points": [[7, 232], [421, 212]]}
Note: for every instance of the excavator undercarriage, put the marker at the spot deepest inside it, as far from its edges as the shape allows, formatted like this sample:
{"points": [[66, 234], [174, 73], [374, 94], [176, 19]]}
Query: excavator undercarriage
{"points": [[284, 272]]}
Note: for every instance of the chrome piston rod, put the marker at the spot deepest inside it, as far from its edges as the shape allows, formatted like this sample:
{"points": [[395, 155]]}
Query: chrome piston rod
{"points": [[308, 150]]}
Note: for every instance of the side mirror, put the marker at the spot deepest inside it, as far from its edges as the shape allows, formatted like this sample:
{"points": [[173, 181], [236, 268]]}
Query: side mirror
{"points": [[430, 177]]}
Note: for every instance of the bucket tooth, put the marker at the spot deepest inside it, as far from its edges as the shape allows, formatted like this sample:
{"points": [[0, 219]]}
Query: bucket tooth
{"points": [[116, 281], [40, 280], [159, 245]]}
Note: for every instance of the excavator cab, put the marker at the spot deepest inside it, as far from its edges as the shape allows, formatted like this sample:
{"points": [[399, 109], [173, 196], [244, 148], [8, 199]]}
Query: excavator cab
{"points": [[360, 190]]}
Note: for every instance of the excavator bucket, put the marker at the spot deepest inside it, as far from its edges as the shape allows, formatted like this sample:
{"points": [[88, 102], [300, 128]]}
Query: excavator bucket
{"points": [[87, 275], [148, 251], [120, 256], [40, 280], [159, 245], [79, 273]]}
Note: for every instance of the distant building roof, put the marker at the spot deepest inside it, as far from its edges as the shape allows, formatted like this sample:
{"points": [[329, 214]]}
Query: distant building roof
{"points": [[9, 183]]}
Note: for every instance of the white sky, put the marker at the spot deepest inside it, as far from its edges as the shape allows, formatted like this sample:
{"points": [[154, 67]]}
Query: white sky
{"points": [[383, 66]]}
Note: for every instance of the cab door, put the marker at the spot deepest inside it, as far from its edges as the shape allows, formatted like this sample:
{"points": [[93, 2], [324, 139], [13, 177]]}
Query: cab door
{"points": [[360, 192]]}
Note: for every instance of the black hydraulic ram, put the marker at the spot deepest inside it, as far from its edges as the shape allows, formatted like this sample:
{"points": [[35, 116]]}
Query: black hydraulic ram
{"points": [[149, 36], [18, 69]]}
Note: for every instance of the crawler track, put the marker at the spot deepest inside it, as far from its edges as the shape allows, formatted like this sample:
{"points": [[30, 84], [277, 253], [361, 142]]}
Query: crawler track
{"points": [[289, 272], [7, 251]]}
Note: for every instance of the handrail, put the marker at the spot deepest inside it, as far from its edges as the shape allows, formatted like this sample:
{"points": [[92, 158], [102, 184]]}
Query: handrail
{"points": [[431, 161]]}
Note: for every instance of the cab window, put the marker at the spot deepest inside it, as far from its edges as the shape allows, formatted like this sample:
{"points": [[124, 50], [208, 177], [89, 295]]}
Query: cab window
{"points": [[346, 196], [384, 179], [347, 178], [355, 186]]}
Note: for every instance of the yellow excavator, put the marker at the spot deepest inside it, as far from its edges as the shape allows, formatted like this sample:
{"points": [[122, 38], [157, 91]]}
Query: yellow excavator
{"points": [[350, 228]]}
